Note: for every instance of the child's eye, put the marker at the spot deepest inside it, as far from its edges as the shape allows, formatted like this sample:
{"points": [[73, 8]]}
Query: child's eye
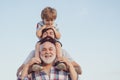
{"points": [[49, 20]]}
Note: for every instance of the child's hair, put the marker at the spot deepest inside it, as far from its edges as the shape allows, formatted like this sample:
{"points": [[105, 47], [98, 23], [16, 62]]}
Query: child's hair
{"points": [[49, 13]]}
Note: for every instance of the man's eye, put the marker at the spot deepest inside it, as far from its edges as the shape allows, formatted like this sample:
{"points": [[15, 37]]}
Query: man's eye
{"points": [[51, 33], [51, 49], [43, 49]]}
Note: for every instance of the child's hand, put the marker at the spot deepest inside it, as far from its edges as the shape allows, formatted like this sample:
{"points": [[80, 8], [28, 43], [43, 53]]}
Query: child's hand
{"points": [[43, 27], [49, 26]]}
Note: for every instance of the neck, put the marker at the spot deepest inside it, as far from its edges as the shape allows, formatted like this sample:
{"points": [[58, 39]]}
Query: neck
{"points": [[47, 68], [48, 65]]}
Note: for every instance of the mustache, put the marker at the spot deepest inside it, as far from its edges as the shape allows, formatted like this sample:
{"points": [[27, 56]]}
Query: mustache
{"points": [[47, 54]]}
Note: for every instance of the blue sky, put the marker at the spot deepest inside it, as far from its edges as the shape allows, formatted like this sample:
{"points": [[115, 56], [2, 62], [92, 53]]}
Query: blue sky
{"points": [[90, 33]]}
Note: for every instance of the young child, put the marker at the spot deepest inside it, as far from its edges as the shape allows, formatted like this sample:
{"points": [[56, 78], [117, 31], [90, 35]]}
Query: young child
{"points": [[48, 16]]}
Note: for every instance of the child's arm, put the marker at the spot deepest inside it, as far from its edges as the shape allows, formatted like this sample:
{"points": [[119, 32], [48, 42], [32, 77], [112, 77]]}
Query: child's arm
{"points": [[57, 33], [39, 30]]}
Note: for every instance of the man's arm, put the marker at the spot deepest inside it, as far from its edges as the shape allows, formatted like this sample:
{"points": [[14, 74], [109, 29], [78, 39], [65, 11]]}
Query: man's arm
{"points": [[25, 71], [20, 69], [30, 56], [75, 64], [77, 67], [73, 73]]}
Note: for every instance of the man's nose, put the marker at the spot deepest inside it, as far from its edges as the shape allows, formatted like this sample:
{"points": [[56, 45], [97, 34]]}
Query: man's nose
{"points": [[47, 52], [47, 34]]}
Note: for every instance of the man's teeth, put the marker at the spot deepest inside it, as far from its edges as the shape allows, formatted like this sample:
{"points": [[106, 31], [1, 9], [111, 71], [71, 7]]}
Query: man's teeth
{"points": [[47, 55]]}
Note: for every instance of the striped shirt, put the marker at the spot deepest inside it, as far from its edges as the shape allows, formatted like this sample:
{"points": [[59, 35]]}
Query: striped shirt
{"points": [[55, 74]]}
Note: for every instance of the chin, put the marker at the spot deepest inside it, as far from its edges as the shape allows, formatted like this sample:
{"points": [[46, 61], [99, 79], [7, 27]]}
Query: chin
{"points": [[48, 60]]}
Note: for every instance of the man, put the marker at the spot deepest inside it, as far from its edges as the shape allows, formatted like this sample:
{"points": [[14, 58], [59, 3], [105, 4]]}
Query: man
{"points": [[48, 55], [50, 32]]}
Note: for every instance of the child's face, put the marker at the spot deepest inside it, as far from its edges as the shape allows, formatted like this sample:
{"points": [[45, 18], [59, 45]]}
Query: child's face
{"points": [[48, 22]]}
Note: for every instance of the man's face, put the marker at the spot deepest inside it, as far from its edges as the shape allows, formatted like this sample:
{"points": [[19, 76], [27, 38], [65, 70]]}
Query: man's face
{"points": [[49, 33], [47, 52]]}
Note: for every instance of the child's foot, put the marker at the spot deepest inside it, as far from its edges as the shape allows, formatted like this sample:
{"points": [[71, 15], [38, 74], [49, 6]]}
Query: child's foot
{"points": [[37, 67], [61, 66]]}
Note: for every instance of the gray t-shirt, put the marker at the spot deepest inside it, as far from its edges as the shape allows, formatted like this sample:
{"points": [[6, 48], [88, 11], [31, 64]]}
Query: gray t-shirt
{"points": [[32, 54], [40, 24]]}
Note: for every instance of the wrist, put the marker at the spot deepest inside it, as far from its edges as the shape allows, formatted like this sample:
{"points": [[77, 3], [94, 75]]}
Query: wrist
{"points": [[70, 66], [26, 66], [25, 78]]}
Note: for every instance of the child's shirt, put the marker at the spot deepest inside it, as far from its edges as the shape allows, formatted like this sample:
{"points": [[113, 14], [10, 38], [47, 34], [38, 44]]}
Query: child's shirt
{"points": [[41, 23]]}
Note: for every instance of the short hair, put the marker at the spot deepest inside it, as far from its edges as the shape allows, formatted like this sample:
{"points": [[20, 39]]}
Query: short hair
{"points": [[49, 13], [46, 29], [48, 39]]}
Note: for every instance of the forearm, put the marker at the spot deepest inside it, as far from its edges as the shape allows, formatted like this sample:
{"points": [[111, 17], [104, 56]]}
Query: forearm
{"points": [[20, 69], [73, 73], [71, 69], [77, 67], [39, 31], [25, 71], [57, 33], [78, 70]]}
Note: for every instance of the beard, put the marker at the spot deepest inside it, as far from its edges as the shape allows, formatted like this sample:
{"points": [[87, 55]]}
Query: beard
{"points": [[48, 59]]}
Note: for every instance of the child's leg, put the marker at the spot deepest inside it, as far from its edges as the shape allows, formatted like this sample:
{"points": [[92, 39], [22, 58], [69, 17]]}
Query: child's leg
{"points": [[58, 50], [59, 65], [37, 47], [37, 67]]}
